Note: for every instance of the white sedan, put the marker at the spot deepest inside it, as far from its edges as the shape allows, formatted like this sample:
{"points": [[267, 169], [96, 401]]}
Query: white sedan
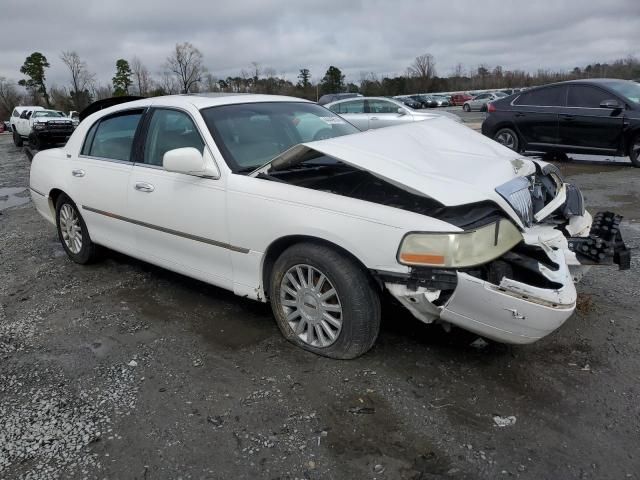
{"points": [[281, 200]]}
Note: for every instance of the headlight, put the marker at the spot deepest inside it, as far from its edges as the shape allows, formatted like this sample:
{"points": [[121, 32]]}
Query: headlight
{"points": [[516, 193], [39, 126], [460, 249]]}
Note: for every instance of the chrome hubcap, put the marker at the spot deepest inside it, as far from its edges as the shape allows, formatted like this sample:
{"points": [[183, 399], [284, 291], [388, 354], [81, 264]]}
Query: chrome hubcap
{"points": [[70, 228], [311, 305], [506, 139]]}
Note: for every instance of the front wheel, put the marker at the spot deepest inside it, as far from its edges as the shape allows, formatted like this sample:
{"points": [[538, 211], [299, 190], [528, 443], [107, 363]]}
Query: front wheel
{"points": [[466, 107], [73, 233], [36, 141], [324, 301], [508, 138], [17, 139], [634, 151]]}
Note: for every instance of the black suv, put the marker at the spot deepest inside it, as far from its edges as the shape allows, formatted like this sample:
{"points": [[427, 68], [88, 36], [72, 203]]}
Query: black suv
{"points": [[597, 116]]}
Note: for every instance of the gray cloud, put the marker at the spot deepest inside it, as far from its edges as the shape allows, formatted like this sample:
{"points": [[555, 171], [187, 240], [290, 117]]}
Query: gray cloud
{"points": [[357, 36]]}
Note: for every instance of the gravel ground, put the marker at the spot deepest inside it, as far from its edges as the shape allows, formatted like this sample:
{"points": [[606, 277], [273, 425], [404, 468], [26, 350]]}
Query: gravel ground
{"points": [[124, 370]]}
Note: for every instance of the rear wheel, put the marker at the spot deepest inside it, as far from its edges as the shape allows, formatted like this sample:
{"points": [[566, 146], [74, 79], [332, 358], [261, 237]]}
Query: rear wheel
{"points": [[73, 233], [466, 107], [17, 139], [634, 151], [324, 302], [508, 138]]}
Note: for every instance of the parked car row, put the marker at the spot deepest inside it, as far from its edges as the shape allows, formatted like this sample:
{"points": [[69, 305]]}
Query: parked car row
{"points": [[596, 116]]}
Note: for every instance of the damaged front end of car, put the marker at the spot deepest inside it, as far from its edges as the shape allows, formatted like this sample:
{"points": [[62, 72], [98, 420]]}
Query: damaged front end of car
{"points": [[516, 286], [520, 235]]}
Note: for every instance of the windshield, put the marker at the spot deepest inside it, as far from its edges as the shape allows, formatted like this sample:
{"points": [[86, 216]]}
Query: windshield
{"points": [[251, 134], [47, 113], [629, 90]]}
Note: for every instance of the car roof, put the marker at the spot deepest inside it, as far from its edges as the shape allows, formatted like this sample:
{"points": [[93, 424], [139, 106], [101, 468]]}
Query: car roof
{"points": [[365, 98], [200, 101]]}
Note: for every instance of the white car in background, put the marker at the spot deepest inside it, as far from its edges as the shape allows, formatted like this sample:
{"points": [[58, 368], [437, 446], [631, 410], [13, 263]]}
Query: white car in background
{"points": [[238, 192], [479, 102], [376, 112]]}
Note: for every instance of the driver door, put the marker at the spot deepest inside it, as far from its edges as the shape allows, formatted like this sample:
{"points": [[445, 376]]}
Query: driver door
{"points": [[179, 220]]}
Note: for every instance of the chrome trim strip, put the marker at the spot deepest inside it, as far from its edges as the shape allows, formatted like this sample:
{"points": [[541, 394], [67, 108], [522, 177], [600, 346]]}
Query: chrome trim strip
{"points": [[195, 238], [36, 191], [104, 159]]}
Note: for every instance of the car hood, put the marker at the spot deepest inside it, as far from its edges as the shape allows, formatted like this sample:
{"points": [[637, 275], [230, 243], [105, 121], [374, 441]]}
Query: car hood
{"points": [[436, 158]]}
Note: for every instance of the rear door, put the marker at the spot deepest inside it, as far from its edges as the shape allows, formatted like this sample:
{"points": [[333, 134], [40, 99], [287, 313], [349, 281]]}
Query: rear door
{"points": [[354, 112], [100, 174], [385, 114], [535, 114], [178, 220], [586, 127]]}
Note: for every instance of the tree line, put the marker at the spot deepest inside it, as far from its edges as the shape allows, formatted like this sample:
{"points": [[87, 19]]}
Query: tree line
{"points": [[184, 72]]}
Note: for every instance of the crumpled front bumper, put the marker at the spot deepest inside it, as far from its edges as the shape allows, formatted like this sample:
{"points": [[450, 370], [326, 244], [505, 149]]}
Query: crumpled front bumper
{"points": [[512, 311]]}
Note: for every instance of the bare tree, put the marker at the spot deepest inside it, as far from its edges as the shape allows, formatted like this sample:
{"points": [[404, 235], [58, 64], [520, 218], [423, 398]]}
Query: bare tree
{"points": [[424, 69], [100, 92], [9, 97], [186, 64], [81, 79], [168, 84], [141, 77]]}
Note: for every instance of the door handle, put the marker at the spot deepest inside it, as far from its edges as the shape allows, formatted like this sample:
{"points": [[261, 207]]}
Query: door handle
{"points": [[568, 118], [520, 114], [77, 173], [373, 118], [144, 187]]}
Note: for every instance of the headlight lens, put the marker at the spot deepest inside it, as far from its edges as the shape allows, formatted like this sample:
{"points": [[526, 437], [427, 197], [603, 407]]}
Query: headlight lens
{"points": [[516, 193], [38, 126], [460, 249]]}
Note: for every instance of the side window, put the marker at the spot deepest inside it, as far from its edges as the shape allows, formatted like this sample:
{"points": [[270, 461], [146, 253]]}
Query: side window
{"points": [[15, 113], [88, 140], [543, 97], [586, 97], [380, 106], [354, 106], [113, 137], [169, 129]]}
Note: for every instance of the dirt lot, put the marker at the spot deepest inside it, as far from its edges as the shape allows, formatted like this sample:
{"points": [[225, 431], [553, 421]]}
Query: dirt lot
{"points": [[123, 370]]}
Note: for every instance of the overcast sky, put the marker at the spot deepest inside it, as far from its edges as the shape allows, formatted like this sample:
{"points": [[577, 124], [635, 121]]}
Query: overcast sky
{"points": [[355, 35]]}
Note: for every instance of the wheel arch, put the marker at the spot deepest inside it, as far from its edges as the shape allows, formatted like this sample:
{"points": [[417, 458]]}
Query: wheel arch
{"points": [[628, 139], [277, 247]]}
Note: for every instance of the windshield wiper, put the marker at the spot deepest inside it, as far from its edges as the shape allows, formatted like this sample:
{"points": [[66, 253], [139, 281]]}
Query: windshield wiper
{"points": [[246, 170]]}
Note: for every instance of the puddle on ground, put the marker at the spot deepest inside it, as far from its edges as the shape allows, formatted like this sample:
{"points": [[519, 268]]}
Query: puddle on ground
{"points": [[13, 197]]}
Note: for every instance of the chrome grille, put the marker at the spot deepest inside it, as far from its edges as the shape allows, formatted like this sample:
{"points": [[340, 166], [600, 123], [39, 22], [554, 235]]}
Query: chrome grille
{"points": [[516, 192]]}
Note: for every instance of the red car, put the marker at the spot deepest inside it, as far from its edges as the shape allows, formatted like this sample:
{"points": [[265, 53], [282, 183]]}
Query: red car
{"points": [[460, 98]]}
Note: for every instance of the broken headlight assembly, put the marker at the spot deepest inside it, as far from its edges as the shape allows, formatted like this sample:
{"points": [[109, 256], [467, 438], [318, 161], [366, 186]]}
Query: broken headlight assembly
{"points": [[459, 249]]}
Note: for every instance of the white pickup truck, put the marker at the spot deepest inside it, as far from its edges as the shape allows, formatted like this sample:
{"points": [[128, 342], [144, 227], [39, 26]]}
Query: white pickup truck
{"points": [[40, 126]]}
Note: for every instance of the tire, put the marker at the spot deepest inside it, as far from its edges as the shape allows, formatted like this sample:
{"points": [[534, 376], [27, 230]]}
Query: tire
{"points": [[509, 138], [86, 251], [466, 107], [17, 139], [634, 151], [35, 141], [355, 298]]}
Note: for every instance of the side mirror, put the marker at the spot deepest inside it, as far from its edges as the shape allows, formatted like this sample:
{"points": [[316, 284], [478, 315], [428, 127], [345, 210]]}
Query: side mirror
{"points": [[401, 111], [190, 161], [611, 104]]}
